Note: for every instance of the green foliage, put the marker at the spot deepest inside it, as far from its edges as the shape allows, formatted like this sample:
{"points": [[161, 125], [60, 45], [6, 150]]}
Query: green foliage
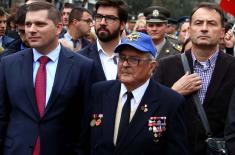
{"points": [[177, 8], [137, 6]]}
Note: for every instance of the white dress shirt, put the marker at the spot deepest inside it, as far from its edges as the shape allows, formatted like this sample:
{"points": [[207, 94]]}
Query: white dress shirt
{"points": [[138, 94], [108, 63], [50, 68]]}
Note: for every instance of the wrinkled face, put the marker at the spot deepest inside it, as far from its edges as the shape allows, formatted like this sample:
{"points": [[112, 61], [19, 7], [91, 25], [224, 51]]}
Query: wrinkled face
{"points": [[65, 16], [183, 33], [84, 24], [157, 30], [40, 31], [134, 67], [3, 25], [107, 24], [205, 28]]}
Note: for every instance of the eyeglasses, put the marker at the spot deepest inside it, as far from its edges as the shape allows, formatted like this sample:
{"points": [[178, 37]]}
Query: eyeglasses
{"points": [[108, 18], [131, 60], [88, 21]]}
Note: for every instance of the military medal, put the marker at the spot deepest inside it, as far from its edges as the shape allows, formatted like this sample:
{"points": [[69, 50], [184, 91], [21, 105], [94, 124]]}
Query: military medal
{"points": [[157, 125], [144, 108]]}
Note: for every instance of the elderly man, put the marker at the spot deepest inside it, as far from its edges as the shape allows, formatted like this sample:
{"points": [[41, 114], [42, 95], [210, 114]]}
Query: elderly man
{"points": [[136, 115], [212, 79]]}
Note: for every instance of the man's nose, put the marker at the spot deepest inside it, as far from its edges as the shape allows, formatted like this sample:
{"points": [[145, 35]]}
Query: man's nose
{"points": [[103, 21], [205, 27]]}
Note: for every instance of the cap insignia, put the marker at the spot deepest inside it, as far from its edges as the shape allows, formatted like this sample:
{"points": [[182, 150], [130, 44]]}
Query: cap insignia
{"points": [[155, 13], [133, 36]]}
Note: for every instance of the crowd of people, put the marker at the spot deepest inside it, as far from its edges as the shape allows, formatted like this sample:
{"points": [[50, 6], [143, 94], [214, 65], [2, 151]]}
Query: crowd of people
{"points": [[77, 82]]}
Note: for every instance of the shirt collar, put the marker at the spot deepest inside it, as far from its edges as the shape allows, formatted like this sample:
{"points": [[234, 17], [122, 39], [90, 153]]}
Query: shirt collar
{"points": [[68, 36], [101, 50], [211, 60], [53, 55], [138, 93]]}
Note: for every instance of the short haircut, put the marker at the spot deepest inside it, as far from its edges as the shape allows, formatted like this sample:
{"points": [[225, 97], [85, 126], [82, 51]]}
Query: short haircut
{"points": [[121, 6], [181, 24], [212, 6], [68, 5], [53, 12], [20, 15], [77, 13], [2, 12]]}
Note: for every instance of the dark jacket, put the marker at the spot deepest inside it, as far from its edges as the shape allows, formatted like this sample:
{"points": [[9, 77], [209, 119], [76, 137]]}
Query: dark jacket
{"points": [[216, 100]]}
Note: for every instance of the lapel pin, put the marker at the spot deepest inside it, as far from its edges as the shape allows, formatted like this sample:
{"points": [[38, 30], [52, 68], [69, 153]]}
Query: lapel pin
{"points": [[97, 119], [144, 108]]}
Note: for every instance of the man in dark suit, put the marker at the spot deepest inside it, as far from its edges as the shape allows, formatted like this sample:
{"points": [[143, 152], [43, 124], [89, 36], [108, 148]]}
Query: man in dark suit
{"points": [[42, 90], [110, 20], [212, 75], [136, 115], [156, 24]]}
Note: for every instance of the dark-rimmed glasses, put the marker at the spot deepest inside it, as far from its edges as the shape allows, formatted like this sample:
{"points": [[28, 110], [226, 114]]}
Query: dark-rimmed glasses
{"points": [[131, 60], [108, 18]]}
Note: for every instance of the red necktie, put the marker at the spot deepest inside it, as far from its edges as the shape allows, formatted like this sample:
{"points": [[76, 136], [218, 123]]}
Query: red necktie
{"points": [[40, 91]]}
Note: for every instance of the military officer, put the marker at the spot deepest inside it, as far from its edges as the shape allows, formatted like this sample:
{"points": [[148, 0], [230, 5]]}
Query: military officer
{"points": [[156, 18]]}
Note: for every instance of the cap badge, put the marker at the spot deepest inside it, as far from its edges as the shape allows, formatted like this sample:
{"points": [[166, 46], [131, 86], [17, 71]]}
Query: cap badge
{"points": [[155, 13], [133, 36]]}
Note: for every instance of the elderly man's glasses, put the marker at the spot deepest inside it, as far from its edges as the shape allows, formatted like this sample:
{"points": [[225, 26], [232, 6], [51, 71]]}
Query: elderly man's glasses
{"points": [[131, 60], [108, 18]]}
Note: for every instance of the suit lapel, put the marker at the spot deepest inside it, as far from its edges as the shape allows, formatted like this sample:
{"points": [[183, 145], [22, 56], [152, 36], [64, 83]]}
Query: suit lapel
{"points": [[140, 118], [94, 54], [110, 103], [27, 70], [63, 68], [221, 67]]}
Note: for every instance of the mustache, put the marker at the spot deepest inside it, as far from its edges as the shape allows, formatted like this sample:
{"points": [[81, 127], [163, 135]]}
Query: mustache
{"points": [[102, 28]]}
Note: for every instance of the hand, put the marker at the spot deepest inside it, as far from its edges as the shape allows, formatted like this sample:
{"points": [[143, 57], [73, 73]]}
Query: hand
{"points": [[229, 39], [187, 84], [65, 43]]}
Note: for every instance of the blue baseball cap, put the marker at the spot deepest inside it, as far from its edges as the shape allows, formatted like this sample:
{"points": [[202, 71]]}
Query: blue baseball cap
{"points": [[139, 41]]}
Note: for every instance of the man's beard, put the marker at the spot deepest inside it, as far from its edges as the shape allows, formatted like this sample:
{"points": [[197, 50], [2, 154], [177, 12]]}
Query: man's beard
{"points": [[107, 36]]}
